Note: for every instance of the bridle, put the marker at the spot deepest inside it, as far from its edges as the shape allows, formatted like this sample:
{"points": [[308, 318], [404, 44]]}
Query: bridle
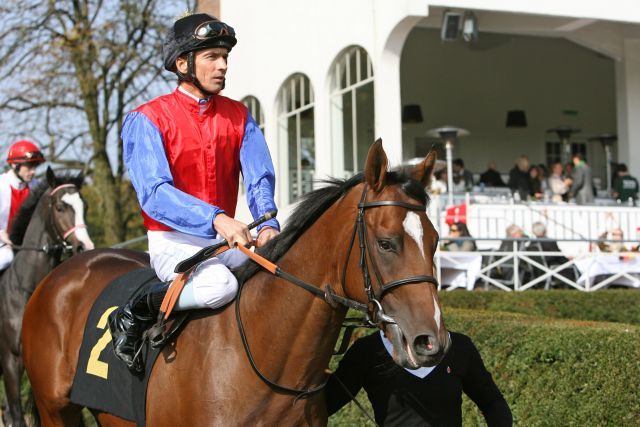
{"points": [[375, 312], [61, 246], [373, 309]]}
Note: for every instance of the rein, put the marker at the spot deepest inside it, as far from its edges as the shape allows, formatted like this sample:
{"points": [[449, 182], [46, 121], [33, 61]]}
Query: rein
{"points": [[375, 313]]}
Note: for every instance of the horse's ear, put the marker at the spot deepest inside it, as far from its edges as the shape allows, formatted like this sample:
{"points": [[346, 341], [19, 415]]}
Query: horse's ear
{"points": [[375, 168], [51, 177], [422, 171]]}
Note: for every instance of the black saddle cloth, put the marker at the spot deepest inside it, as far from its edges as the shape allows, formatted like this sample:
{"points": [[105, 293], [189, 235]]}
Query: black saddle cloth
{"points": [[102, 381]]}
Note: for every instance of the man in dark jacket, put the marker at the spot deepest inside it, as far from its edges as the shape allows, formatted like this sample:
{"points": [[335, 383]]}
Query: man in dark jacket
{"points": [[428, 396]]}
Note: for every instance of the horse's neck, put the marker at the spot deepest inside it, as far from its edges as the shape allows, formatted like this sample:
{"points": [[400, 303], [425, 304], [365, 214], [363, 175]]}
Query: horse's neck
{"points": [[31, 265], [301, 327]]}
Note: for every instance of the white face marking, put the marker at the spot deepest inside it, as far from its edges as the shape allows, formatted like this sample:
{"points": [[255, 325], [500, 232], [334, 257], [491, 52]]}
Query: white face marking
{"points": [[436, 313], [413, 226], [81, 233]]}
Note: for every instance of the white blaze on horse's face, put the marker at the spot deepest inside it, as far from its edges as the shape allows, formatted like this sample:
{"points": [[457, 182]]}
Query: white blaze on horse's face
{"points": [[413, 226], [436, 313], [81, 233]]}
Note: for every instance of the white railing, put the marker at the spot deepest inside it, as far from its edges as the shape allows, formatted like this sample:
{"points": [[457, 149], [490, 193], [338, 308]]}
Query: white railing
{"points": [[525, 267], [563, 221]]}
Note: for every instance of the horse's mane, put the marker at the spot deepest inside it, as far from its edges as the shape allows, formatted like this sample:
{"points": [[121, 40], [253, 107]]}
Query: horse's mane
{"points": [[314, 204], [23, 216]]}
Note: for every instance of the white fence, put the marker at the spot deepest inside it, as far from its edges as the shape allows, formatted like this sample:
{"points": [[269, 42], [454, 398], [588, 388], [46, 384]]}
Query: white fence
{"points": [[526, 266]]}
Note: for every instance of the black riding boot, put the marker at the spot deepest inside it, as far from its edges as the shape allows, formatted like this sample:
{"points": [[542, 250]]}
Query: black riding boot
{"points": [[128, 323]]}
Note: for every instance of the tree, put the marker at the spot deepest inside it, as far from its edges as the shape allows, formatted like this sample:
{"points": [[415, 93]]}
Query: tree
{"points": [[71, 70]]}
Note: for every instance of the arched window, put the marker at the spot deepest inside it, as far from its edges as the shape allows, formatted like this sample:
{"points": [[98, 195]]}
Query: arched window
{"points": [[255, 109], [296, 139], [352, 110]]}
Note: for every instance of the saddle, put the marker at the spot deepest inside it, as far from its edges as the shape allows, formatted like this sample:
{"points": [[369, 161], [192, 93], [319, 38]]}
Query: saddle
{"points": [[102, 381]]}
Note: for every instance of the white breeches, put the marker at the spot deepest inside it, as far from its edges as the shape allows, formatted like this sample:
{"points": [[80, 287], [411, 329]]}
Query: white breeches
{"points": [[6, 256], [211, 284]]}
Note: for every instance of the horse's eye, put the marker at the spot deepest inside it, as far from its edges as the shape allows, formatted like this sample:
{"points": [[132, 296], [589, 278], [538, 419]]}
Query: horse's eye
{"points": [[60, 207], [385, 245]]}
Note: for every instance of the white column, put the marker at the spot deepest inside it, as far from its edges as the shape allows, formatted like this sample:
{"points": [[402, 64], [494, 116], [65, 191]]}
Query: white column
{"points": [[388, 109], [628, 105], [322, 132]]}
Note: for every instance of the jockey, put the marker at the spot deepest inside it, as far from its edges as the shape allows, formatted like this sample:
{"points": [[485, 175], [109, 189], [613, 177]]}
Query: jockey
{"points": [[23, 158], [184, 153]]}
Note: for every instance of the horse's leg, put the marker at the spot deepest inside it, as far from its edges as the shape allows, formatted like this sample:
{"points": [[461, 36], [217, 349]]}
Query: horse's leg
{"points": [[13, 370]]}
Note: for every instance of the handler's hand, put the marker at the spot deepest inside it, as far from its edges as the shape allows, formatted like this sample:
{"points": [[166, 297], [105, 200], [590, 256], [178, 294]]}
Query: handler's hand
{"points": [[266, 234], [233, 231], [4, 237]]}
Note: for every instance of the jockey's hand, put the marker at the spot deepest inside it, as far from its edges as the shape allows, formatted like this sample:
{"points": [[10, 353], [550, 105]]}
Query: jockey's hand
{"points": [[4, 237], [266, 234], [233, 231]]}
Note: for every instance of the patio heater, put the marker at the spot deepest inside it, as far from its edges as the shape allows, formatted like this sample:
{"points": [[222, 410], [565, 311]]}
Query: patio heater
{"points": [[564, 133], [449, 135], [606, 140]]}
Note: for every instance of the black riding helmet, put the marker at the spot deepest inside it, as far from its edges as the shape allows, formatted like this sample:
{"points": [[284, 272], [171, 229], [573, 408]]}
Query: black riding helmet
{"points": [[192, 33]]}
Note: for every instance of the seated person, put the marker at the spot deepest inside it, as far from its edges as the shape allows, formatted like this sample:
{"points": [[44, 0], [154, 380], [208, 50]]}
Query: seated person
{"points": [[513, 231], [426, 396], [491, 177], [613, 244], [504, 270], [454, 243], [539, 231]]}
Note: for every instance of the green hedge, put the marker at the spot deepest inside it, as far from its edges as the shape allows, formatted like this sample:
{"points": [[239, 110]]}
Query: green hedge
{"points": [[612, 305], [552, 372]]}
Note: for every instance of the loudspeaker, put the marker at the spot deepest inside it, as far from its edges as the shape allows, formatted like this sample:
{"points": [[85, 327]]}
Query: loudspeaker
{"points": [[450, 26]]}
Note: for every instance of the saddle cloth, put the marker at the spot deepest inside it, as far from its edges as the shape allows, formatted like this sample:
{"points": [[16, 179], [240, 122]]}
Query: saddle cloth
{"points": [[102, 381]]}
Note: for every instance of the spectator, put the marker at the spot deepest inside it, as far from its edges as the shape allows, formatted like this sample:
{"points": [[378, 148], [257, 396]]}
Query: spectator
{"points": [[625, 186], [491, 177], [581, 182], [614, 243], [439, 184], [557, 185], [427, 396], [513, 232], [464, 175], [519, 178], [539, 231], [454, 243], [535, 182]]}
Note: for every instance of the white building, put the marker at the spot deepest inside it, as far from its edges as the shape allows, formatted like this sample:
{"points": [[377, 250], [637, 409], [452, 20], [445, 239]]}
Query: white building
{"points": [[326, 78]]}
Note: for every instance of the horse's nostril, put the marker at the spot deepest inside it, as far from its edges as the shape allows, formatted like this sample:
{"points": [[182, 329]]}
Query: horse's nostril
{"points": [[425, 345]]}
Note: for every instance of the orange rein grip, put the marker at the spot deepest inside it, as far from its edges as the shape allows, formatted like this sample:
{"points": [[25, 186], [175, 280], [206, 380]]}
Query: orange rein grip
{"points": [[175, 289], [265, 263]]}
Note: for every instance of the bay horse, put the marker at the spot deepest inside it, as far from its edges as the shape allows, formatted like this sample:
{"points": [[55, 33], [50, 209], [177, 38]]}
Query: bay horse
{"points": [[49, 225], [207, 377]]}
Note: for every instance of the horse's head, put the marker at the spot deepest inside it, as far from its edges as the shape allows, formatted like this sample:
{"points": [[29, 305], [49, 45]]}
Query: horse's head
{"points": [[399, 243], [67, 209]]}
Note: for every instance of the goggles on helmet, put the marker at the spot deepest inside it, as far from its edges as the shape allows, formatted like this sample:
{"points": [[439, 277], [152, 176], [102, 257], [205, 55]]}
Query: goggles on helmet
{"points": [[213, 29]]}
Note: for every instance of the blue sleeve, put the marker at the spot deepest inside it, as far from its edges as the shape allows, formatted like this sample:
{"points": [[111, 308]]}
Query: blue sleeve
{"points": [[151, 177], [257, 172]]}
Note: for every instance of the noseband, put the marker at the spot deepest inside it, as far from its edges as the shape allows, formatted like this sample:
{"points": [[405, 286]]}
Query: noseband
{"points": [[375, 312]]}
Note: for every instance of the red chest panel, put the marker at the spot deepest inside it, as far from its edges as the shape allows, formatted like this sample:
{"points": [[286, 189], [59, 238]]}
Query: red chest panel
{"points": [[202, 147], [17, 198]]}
